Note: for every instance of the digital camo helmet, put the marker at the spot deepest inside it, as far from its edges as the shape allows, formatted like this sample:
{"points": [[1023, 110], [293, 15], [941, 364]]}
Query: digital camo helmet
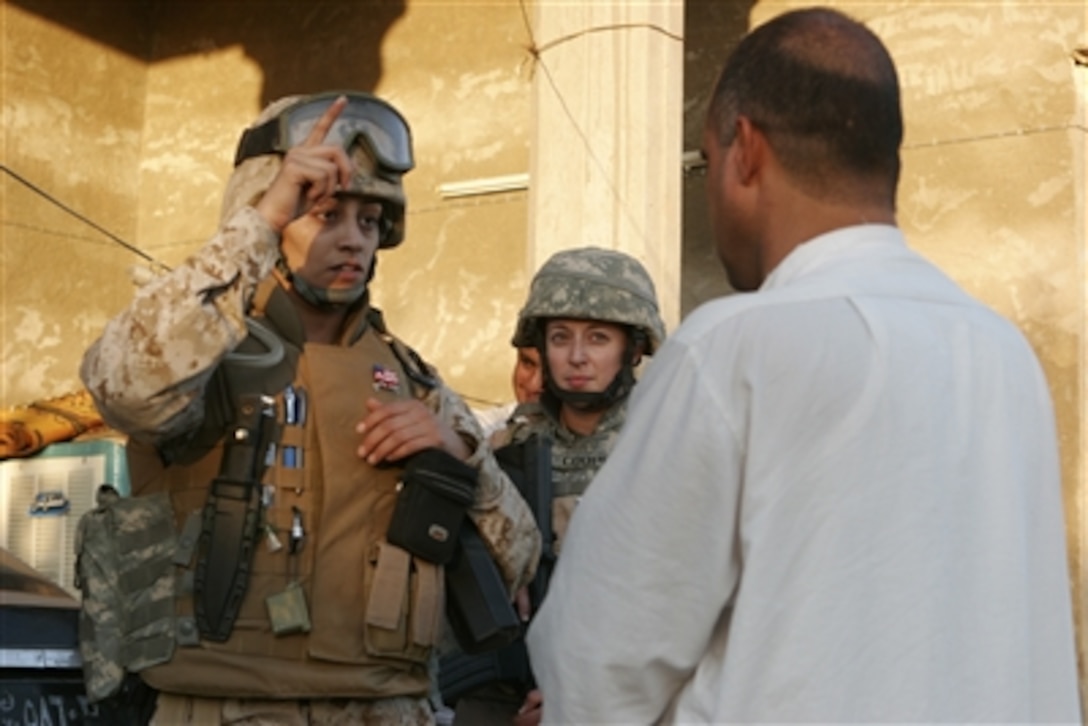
{"points": [[591, 283], [378, 142]]}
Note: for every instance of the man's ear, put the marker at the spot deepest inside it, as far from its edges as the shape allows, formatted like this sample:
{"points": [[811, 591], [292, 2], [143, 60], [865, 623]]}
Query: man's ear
{"points": [[749, 147]]}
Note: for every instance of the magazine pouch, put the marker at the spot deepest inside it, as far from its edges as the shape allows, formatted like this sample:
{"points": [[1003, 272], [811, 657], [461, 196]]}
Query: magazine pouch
{"points": [[433, 498]]}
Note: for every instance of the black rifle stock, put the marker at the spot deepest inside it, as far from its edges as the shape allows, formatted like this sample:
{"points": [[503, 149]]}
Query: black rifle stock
{"points": [[529, 466], [477, 603]]}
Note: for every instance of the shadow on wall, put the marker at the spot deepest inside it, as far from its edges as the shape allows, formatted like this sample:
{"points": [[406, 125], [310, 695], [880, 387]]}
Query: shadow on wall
{"points": [[124, 25], [305, 47], [301, 47], [711, 30]]}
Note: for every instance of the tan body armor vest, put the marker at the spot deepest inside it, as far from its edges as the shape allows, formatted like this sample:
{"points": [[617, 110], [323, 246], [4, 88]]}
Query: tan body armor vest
{"points": [[375, 611]]}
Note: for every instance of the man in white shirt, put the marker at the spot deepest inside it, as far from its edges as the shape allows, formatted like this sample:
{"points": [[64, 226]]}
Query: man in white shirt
{"points": [[836, 499]]}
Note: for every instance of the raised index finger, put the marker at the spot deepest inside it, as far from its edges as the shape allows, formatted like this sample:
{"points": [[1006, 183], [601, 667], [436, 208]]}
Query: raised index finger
{"points": [[317, 134]]}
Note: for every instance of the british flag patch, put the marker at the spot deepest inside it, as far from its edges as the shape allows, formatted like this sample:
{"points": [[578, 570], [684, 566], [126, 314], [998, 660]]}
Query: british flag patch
{"points": [[385, 379]]}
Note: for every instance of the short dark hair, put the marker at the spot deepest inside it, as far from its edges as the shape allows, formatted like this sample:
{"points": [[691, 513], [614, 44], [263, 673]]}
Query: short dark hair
{"points": [[823, 89]]}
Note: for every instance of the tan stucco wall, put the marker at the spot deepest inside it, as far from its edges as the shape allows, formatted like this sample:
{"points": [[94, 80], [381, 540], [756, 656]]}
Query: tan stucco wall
{"points": [[72, 125], [459, 282]]}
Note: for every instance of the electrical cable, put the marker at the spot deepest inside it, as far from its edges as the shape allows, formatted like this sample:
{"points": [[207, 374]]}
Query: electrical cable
{"points": [[53, 200]]}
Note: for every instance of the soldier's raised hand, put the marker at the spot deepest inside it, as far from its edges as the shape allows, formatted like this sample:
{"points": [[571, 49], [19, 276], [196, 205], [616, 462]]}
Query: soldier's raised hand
{"points": [[311, 171]]}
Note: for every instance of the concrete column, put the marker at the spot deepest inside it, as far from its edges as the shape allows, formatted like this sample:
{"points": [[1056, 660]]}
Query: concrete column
{"points": [[605, 164]]}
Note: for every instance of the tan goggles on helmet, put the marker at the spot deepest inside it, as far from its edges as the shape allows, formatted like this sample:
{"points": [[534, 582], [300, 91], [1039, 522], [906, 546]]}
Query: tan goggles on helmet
{"points": [[383, 129]]}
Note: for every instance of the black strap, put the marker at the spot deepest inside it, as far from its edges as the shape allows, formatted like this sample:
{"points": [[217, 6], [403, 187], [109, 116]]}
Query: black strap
{"points": [[258, 141], [529, 466], [539, 461], [231, 520]]}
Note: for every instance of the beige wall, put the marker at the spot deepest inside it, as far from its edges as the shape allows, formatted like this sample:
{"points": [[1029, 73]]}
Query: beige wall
{"points": [[72, 125], [455, 287]]}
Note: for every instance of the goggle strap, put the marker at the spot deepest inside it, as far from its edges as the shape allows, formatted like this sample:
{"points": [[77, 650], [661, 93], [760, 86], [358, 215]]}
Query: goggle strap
{"points": [[259, 140]]}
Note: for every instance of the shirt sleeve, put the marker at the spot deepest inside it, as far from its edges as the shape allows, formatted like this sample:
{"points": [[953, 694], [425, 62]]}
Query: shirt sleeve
{"points": [[650, 561], [148, 370]]}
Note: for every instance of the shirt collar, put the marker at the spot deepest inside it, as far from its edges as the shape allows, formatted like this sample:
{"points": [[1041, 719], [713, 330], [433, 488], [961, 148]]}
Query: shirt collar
{"points": [[837, 244]]}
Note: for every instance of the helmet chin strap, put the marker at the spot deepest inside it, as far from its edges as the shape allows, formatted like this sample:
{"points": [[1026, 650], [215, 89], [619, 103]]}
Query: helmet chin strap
{"points": [[323, 297], [616, 391]]}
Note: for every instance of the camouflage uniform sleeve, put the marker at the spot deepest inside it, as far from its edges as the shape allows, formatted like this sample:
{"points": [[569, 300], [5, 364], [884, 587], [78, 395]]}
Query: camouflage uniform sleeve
{"points": [[504, 519], [526, 419], [148, 370]]}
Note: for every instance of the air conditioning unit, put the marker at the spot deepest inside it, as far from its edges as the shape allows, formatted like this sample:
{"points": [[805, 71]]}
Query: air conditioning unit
{"points": [[42, 498]]}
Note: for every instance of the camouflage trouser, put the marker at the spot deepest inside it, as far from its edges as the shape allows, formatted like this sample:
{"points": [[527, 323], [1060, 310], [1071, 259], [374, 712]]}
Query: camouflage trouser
{"points": [[174, 710]]}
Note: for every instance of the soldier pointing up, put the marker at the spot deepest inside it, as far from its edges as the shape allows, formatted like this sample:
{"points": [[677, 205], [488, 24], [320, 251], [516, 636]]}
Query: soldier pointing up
{"points": [[271, 416]]}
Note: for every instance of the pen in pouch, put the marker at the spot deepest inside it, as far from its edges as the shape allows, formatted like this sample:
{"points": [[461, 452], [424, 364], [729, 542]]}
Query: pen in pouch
{"points": [[300, 417], [290, 416], [298, 534]]}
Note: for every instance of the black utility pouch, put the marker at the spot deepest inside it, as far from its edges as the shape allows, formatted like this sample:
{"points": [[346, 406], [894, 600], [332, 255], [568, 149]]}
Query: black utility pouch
{"points": [[433, 498]]}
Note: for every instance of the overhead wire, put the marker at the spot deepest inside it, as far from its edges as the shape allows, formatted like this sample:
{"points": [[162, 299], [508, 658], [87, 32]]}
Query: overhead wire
{"points": [[81, 217]]}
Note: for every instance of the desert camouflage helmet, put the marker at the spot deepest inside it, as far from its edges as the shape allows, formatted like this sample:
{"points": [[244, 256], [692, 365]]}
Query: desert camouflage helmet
{"points": [[375, 135], [591, 283]]}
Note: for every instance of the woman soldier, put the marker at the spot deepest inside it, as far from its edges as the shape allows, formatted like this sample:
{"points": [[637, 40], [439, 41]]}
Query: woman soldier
{"points": [[592, 314]]}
